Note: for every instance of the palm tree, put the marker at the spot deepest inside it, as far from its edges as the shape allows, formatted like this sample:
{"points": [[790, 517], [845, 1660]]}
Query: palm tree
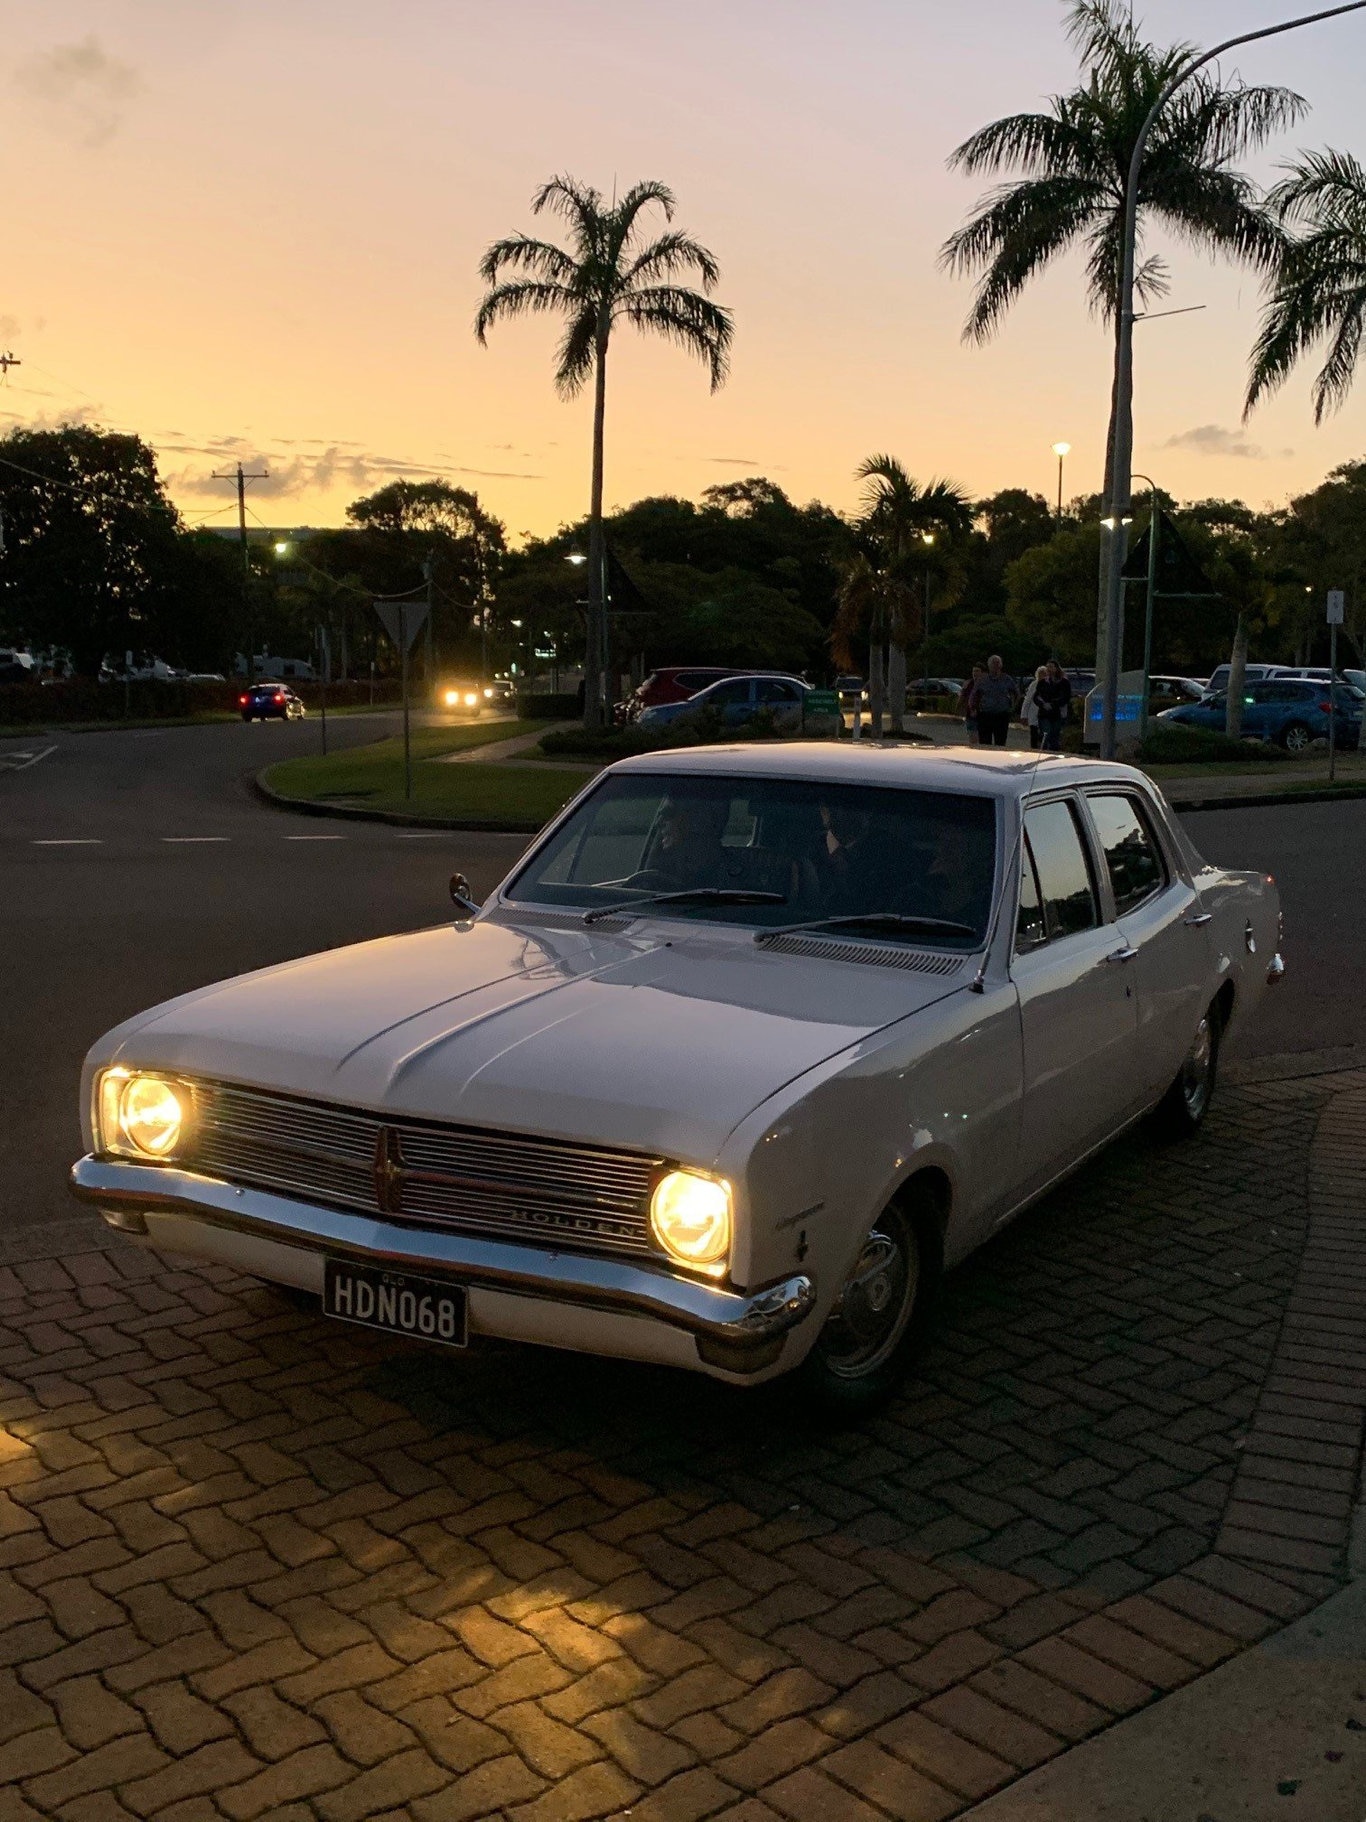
{"points": [[1073, 162], [1318, 291], [608, 275], [909, 526]]}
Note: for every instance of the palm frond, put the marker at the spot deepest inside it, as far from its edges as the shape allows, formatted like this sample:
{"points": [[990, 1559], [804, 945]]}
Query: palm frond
{"points": [[577, 352], [669, 255], [1321, 186], [522, 297], [686, 318], [1033, 144], [539, 258], [1018, 230], [577, 203]]}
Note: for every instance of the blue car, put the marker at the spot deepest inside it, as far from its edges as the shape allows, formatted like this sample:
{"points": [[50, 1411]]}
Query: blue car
{"points": [[1288, 710], [734, 701]]}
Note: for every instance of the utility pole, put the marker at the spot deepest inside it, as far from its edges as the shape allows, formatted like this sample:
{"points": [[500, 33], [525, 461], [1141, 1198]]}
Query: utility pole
{"points": [[242, 478], [8, 360]]}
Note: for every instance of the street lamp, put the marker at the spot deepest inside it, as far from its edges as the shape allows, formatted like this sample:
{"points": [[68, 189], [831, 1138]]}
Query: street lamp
{"points": [[927, 539], [1113, 597], [1061, 451]]}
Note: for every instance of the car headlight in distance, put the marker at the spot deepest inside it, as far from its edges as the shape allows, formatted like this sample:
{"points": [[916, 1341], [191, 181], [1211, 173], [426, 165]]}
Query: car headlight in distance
{"points": [[488, 692], [452, 699], [690, 1215], [141, 1115], [471, 700]]}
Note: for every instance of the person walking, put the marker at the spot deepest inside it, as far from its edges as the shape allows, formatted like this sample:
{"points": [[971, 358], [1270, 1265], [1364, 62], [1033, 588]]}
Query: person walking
{"points": [[1029, 708], [966, 706], [1053, 700], [995, 696]]}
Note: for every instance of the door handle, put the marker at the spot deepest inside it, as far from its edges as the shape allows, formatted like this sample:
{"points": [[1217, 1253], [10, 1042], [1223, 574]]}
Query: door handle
{"points": [[1198, 920], [1126, 954]]}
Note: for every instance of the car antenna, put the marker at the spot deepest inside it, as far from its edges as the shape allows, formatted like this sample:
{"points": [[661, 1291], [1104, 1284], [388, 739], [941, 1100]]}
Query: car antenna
{"points": [[979, 981]]}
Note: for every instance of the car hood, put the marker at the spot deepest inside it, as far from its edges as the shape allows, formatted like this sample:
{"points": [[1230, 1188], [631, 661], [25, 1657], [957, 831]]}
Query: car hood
{"points": [[660, 1037]]}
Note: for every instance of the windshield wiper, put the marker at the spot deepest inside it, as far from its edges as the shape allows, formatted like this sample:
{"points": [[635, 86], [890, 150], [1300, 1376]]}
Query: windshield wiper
{"points": [[696, 895], [874, 920]]}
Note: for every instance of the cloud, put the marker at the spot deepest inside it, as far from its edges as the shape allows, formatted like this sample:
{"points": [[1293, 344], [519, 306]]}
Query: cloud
{"points": [[84, 89], [1215, 440], [292, 471], [733, 461], [67, 417]]}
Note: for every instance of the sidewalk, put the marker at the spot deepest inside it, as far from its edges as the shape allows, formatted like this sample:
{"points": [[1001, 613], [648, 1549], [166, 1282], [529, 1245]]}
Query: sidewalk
{"points": [[255, 1564]]}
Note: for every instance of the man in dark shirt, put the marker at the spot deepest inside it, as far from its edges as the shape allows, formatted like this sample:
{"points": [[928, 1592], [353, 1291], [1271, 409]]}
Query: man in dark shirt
{"points": [[1052, 698]]}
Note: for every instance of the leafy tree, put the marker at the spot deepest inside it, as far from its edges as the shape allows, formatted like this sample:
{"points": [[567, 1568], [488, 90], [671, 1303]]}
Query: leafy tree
{"points": [[607, 276], [93, 550], [1317, 293]]}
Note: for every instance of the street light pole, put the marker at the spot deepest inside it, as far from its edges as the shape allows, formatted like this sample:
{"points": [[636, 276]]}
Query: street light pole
{"points": [[1154, 533], [1061, 451], [1112, 599]]}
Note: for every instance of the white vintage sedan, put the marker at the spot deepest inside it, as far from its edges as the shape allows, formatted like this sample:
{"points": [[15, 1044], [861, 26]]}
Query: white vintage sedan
{"points": [[749, 1047]]}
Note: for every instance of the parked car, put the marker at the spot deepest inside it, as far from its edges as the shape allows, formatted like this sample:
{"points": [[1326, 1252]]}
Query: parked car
{"points": [[671, 683], [1171, 692], [1321, 674], [745, 1051], [736, 700], [1293, 713], [1255, 673], [270, 702]]}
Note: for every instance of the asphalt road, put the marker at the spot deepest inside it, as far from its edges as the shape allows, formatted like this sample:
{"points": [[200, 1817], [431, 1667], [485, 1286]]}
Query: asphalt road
{"points": [[135, 866]]}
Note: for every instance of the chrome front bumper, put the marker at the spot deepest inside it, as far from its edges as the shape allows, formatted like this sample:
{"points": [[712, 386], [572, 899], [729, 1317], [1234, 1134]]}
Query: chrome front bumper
{"points": [[735, 1330]]}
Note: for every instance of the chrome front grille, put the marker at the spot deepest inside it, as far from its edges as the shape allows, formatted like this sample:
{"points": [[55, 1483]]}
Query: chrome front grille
{"points": [[512, 1185]]}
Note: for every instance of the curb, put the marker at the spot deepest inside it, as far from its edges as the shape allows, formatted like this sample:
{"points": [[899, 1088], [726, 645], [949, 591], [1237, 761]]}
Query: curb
{"points": [[1260, 800], [355, 813]]}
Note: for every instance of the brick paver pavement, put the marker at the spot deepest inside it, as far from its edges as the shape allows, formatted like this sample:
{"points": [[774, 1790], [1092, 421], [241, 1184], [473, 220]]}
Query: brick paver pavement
{"points": [[253, 1565]]}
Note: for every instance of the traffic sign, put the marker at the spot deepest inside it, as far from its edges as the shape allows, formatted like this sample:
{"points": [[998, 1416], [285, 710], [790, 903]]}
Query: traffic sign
{"points": [[1337, 601], [821, 702], [402, 620]]}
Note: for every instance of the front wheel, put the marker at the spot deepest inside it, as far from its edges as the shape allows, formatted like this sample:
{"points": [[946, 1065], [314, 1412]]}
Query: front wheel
{"points": [[1182, 1110], [883, 1313], [1296, 738]]}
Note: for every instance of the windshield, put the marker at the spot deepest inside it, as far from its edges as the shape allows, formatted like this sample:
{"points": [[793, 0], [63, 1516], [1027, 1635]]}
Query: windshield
{"points": [[801, 850]]}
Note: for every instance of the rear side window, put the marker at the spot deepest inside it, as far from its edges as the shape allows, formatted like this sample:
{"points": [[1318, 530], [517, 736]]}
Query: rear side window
{"points": [[1030, 929], [737, 690], [1066, 891], [1132, 856]]}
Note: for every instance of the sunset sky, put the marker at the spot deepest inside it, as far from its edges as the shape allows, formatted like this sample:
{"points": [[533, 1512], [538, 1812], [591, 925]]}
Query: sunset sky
{"points": [[252, 228]]}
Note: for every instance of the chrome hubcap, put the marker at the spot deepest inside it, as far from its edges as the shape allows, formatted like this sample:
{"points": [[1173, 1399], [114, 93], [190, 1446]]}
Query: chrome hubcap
{"points": [[876, 1303], [1297, 740], [1195, 1071]]}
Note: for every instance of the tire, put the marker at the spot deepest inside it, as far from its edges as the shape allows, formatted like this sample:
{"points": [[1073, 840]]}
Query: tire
{"points": [[246, 717], [883, 1314], [1295, 737], [1182, 1110]]}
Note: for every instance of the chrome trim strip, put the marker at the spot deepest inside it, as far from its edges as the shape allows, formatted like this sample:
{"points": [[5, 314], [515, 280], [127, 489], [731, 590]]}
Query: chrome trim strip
{"points": [[119, 1190]]}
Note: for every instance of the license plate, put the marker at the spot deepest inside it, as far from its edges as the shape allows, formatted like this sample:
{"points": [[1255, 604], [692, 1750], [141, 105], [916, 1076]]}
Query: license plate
{"points": [[428, 1309]]}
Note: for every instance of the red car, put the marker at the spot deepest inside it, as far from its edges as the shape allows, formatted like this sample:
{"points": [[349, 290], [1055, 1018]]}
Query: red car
{"points": [[671, 683]]}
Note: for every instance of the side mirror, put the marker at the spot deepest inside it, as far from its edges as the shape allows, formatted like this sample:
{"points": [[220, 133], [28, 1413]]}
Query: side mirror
{"points": [[462, 896]]}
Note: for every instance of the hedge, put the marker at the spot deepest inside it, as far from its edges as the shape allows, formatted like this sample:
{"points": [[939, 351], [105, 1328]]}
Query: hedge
{"points": [[1171, 744], [549, 706]]}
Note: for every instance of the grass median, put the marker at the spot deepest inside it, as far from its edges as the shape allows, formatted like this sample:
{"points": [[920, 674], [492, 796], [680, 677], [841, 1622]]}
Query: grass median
{"points": [[371, 778]]}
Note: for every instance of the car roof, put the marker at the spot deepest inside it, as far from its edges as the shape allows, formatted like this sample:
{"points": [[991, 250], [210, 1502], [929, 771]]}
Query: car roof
{"points": [[970, 771]]}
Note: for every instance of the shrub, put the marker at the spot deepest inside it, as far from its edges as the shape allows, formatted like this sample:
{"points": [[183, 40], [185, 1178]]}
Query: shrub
{"points": [[596, 743], [1168, 743], [549, 705]]}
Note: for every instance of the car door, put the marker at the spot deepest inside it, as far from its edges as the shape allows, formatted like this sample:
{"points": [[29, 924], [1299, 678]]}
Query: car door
{"points": [[1078, 1012], [782, 699], [731, 700], [1159, 913]]}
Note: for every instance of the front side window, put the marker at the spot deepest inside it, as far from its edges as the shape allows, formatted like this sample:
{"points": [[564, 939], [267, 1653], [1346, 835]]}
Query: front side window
{"points": [[820, 850], [773, 689], [1132, 856], [1030, 929], [1065, 887], [725, 695]]}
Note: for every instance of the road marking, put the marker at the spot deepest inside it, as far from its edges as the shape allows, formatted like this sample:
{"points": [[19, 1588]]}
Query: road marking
{"points": [[184, 840], [422, 834], [21, 761], [315, 838], [71, 841]]}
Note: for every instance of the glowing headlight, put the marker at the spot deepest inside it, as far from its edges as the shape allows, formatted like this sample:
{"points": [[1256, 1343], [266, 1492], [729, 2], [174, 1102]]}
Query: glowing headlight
{"points": [[452, 699], [471, 700], [488, 693], [691, 1218], [141, 1115]]}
